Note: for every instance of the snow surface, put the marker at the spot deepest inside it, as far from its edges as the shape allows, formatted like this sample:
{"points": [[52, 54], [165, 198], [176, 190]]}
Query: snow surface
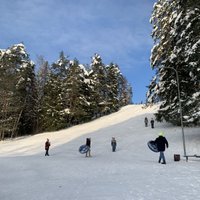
{"points": [[130, 173]]}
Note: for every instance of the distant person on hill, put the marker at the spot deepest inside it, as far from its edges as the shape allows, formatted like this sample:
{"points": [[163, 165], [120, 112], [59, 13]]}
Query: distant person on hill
{"points": [[152, 123], [146, 121], [113, 144], [161, 142], [47, 145], [88, 143]]}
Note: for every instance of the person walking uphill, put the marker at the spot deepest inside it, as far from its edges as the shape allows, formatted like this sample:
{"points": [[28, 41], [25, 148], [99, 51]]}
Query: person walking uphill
{"points": [[161, 142], [152, 123], [88, 143], [146, 121], [47, 145], [113, 144]]}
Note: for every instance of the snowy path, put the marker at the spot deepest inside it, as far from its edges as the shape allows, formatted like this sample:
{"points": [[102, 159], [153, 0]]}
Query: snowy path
{"points": [[131, 173]]}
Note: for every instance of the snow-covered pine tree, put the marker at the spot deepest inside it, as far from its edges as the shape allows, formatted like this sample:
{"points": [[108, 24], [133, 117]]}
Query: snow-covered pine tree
{"points": [[99, 78], [152, 91], [27, 89], [191, 55], [113, 83], [177, 45], [7, 88], [54, 101], [18, 87], [125, 92], [87, 91], [78, 94]]}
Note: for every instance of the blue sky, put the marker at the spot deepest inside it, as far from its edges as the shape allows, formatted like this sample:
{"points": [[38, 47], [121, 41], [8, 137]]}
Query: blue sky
{"points": [[118, 30]]}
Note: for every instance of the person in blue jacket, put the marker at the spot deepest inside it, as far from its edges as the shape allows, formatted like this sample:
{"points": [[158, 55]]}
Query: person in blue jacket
{"points": [[161, 142], [113, 144]]}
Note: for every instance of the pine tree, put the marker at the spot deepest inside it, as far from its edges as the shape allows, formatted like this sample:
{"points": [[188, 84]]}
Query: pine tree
{"points": [[7, 87], [113, 82], [125, 92], [99, 79], [19, 92], [177, 48], [152, 95], [78, 93], [53, 106], [42, 78], [27, 90]]}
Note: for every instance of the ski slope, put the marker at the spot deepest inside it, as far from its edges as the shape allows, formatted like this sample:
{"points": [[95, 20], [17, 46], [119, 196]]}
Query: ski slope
{"points": [[130, 173]]}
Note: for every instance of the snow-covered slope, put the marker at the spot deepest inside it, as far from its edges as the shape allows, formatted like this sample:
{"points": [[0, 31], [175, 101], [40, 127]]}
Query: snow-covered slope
{"points": [[130, 173], [35, 144]]}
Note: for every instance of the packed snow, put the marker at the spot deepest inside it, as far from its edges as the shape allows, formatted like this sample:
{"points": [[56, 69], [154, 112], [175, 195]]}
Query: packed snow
{"points": [[130, 173]]}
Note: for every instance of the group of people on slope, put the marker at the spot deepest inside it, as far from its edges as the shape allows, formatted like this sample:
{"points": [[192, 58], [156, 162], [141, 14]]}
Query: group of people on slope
{"points": [[160, 141], [88, 143]]}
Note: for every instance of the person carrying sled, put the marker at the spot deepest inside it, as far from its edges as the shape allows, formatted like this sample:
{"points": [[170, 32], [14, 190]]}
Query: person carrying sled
{"points": [[88, 143], [146, 121], [47, 145], [113, 144], [161, 142]]}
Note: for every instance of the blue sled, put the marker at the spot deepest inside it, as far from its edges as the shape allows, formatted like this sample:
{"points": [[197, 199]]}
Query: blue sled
{"points": [[153, 146], [83, 149]]}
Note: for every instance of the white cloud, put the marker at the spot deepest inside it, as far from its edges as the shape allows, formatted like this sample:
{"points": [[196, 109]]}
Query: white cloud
{"points": [[116, 29]]}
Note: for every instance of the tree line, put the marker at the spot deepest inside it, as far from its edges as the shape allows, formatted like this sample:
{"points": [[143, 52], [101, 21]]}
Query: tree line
{"points": [[49, 97]]}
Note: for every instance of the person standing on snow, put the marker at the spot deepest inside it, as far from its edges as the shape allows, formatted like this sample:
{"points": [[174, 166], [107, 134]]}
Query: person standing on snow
{"points": [[146, 121], [161, 142], [152, 123], [47, 145], [113, 144], [88, 143]]}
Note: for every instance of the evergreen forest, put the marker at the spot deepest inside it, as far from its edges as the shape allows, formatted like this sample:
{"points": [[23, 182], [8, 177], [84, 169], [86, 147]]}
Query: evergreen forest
{"points": [[49, 97]]}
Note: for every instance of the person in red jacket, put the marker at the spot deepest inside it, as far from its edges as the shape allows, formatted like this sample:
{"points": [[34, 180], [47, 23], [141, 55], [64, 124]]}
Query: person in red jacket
{"points": [[161, 142], [47, 145]]}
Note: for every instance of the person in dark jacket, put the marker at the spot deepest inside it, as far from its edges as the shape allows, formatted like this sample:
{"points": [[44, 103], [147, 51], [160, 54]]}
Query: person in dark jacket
{"points": [[88, 143], [161, 142], [47, 145], [146, 121], [113, 144], [152, 123]]}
